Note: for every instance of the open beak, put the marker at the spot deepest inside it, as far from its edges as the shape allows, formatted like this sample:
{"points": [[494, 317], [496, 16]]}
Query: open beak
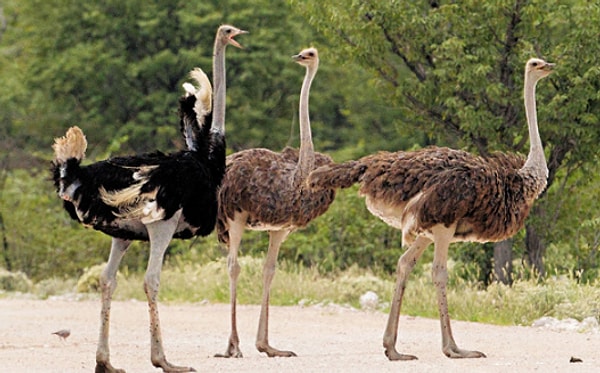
{"points": [[549, 67], [233, 42], [297, 57]]}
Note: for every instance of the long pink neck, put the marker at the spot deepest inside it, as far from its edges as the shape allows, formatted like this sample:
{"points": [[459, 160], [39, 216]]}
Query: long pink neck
{"points": [[307, 153], [536, 161], [218, 124]]}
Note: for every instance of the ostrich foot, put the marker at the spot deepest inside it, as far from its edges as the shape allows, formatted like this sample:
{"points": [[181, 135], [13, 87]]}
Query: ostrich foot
{"points": [[106, 367], [454, 352], [273, 352], [394, 355], [233, 350], [170, 368]]}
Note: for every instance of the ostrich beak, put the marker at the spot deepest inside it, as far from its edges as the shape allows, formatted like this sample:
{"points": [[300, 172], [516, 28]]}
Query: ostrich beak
{"points": [[233, 42]]}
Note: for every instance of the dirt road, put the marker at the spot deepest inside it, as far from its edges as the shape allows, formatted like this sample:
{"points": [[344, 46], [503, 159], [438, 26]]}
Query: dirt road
{"points": [[326, 339]]}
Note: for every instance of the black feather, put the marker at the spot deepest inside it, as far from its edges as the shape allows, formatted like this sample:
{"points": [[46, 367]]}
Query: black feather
{"points": [[186, 180]]}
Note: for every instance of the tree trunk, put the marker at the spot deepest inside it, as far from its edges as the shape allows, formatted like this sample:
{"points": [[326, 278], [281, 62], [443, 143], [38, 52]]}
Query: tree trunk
{"points": [[3, 177], [535, 250], [503, 261], [5, 253]]}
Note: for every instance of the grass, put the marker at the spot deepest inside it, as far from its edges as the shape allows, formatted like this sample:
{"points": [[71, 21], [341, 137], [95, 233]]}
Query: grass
{"points": [[519, 304], [292, 284]]}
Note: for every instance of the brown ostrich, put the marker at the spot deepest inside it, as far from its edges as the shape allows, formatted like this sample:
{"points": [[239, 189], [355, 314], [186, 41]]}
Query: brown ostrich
{"points": [[264, 190], [442, 195], [150, 197]]}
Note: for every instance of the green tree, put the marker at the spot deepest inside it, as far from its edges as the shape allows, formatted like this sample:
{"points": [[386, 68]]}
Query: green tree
{"points": [[116, 68], [455, 70]]}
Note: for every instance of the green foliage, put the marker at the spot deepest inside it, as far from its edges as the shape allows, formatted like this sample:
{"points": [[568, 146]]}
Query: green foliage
{"points": [[474, 261], [572, 228], [393, 75], [458, 80], [526, 300], [116, 70]]}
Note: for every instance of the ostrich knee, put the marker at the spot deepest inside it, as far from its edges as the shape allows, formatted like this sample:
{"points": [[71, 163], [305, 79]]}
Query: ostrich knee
{"points": [[108, 283], [269, 271], [405, 266], [151, 285], [233, 266], [439, 275]]}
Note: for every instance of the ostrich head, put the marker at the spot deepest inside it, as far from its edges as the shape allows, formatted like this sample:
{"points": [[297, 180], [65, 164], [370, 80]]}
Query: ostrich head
{"points": [[308, 57], [227, 33], [538, 68]]}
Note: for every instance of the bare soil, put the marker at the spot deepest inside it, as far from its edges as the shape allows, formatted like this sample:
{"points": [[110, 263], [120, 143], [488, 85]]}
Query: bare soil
{"points": [[326, 339]]}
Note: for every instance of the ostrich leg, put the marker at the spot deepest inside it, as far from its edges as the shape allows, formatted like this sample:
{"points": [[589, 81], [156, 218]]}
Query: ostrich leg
{"points": [[108, 284], [405, 265], [442, 240], [276, 238], [160, 234], [236, 229]]}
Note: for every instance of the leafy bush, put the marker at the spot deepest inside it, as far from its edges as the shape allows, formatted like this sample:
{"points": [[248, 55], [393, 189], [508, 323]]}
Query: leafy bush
{"points": [[14, 281], [89, 282], [53, 286]]}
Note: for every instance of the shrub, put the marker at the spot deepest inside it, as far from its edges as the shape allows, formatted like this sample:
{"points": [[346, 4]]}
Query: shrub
{"points": [[14, 281], [89, 282]]}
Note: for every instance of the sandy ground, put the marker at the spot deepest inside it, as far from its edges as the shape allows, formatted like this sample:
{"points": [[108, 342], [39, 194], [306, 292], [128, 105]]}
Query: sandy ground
{"points": [[326, 339]]}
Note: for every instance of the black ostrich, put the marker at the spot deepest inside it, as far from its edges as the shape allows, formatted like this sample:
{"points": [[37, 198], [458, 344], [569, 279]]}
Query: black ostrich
{"points": [[152, 197]]}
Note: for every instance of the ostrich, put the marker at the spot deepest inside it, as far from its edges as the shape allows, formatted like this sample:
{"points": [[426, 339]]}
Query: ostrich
{"points": [[151, 197], [442, 195], [264, 190]]}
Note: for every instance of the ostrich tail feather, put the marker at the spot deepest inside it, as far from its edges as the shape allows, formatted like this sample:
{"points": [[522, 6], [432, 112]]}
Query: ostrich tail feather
{"points": [[203, 92], [333, 176], [195, 111], [70, 146]]}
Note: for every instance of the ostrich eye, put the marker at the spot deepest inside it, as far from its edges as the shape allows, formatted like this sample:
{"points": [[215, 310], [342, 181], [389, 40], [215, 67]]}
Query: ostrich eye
{"points": [[228, 31], [311, 54], [534, 64]]}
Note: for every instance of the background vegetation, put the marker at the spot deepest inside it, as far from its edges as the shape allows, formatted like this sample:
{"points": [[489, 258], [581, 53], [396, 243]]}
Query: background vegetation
{"points": [[394, 75]]}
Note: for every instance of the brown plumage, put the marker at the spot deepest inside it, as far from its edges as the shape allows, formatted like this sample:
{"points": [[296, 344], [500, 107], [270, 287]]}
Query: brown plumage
{"points": [[265, 190], [442, 195], [444, 186], [260, 184]]}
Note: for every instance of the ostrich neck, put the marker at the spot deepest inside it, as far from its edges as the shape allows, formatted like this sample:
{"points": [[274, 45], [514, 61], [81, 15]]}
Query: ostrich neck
{"points": [[536, 161], [306, 156], [218, 124]]}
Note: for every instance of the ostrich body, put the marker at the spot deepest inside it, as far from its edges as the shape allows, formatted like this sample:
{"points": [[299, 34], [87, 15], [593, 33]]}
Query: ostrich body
{"points": [[266, 191], [152, 197], [442, 195]]}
